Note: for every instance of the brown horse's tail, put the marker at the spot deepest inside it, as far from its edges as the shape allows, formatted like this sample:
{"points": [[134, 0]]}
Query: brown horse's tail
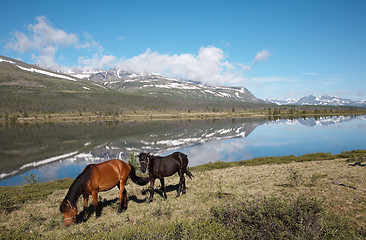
{"points": [[189, 174], [136, 179]]}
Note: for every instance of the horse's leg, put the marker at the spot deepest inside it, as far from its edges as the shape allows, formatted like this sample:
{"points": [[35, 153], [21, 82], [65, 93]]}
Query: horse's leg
{"points": [[122, 196], [179, 184], [86, 198], [163, 187], [125, 199], [152, 181], [184, 183], [181, 179], [95, 203]]}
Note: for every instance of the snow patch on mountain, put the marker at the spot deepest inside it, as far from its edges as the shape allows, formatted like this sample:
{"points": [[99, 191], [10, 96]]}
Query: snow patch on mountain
{"points": [[40, 71], [46, 73], [4, 60]]}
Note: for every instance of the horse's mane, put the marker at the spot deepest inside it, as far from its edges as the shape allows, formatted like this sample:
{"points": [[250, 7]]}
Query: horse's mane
{"points": [[174, 153], [77, 187]]}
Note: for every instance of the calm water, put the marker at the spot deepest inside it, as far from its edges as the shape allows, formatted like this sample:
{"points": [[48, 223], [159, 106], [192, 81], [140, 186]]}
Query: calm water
{"points": [[54, 151]]}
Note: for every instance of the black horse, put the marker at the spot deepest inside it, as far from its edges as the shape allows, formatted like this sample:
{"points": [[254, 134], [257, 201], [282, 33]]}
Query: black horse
{"points": [[160, 167]]}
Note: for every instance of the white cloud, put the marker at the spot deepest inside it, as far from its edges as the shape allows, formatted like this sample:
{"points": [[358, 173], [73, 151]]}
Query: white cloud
{"points": [[89, 42], [261, 56], [244, 68], [42, 35], [47, 57], [22, 43], [209, 66], [98, 62], [44, 40], [45, 34]]}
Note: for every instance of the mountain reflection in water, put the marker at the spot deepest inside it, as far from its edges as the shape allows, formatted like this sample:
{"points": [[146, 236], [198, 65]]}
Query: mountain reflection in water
{"points": [[53, 151]]}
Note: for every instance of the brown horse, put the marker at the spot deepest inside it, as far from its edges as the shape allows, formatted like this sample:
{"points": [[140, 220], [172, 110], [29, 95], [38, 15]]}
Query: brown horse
{"points": [[97, 178], [160, 167]]}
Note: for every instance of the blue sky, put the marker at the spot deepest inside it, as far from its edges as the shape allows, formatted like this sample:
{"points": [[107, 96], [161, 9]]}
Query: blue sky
{"points": [[276, 49]]}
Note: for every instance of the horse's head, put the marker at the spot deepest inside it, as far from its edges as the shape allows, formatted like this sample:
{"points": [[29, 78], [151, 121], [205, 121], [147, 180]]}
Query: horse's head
{"points": [[144, 161], [69, 212]]}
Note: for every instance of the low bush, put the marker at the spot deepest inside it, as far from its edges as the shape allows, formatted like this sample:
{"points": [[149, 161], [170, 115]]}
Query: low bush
{"points": [[272, 218]]}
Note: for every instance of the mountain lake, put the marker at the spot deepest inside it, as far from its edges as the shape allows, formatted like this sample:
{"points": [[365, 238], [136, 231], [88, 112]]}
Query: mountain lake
{"points": [[51, 151]]}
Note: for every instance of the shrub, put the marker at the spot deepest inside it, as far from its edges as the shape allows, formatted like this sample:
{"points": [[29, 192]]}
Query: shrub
{"points": [[7, 202], [133, 160], [294, 177], [31, 179], [272, 218]]}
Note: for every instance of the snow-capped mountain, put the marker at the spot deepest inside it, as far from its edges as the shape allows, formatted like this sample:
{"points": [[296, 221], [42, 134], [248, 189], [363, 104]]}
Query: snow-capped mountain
{"points": [[289, 101], [322, 100], [154, 84]]}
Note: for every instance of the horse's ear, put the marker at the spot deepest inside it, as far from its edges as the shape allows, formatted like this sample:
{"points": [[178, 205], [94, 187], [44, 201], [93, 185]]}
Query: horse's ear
{"points": [[148, 154]]}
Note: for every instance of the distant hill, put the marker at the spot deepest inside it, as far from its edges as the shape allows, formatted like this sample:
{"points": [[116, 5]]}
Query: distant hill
{"points": [[156, 84], [319, 101], [29, 88]]}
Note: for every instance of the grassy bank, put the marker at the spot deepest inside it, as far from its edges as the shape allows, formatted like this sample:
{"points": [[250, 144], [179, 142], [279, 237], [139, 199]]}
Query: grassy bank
{"points": [[315, 196]]}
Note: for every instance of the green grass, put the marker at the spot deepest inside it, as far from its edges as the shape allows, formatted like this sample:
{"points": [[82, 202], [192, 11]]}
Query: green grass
{"points": [[12, 198], [267, 218], [273, 218], [272, 199], [352, 155]]}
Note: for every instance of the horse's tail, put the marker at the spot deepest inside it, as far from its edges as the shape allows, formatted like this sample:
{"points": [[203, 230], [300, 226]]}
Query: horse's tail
{"points": [[136, 179], [189, 174], [184, 160]]}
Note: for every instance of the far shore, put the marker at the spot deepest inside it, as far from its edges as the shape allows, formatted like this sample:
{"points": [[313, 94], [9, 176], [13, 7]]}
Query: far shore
{"points": [[168, 115]]}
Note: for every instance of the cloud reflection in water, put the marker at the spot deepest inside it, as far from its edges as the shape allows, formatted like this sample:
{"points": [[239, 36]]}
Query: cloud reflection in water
{"points": [[228, 141]]}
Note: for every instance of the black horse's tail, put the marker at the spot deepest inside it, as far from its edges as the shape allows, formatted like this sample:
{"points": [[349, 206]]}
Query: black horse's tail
{"points": [[184, 160], [189, 174], [136, 179]]}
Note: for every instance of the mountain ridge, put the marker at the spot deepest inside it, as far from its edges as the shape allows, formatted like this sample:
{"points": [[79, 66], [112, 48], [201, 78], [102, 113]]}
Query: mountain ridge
{"points": [[29, 88], [323, 100], [154, 83]]}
